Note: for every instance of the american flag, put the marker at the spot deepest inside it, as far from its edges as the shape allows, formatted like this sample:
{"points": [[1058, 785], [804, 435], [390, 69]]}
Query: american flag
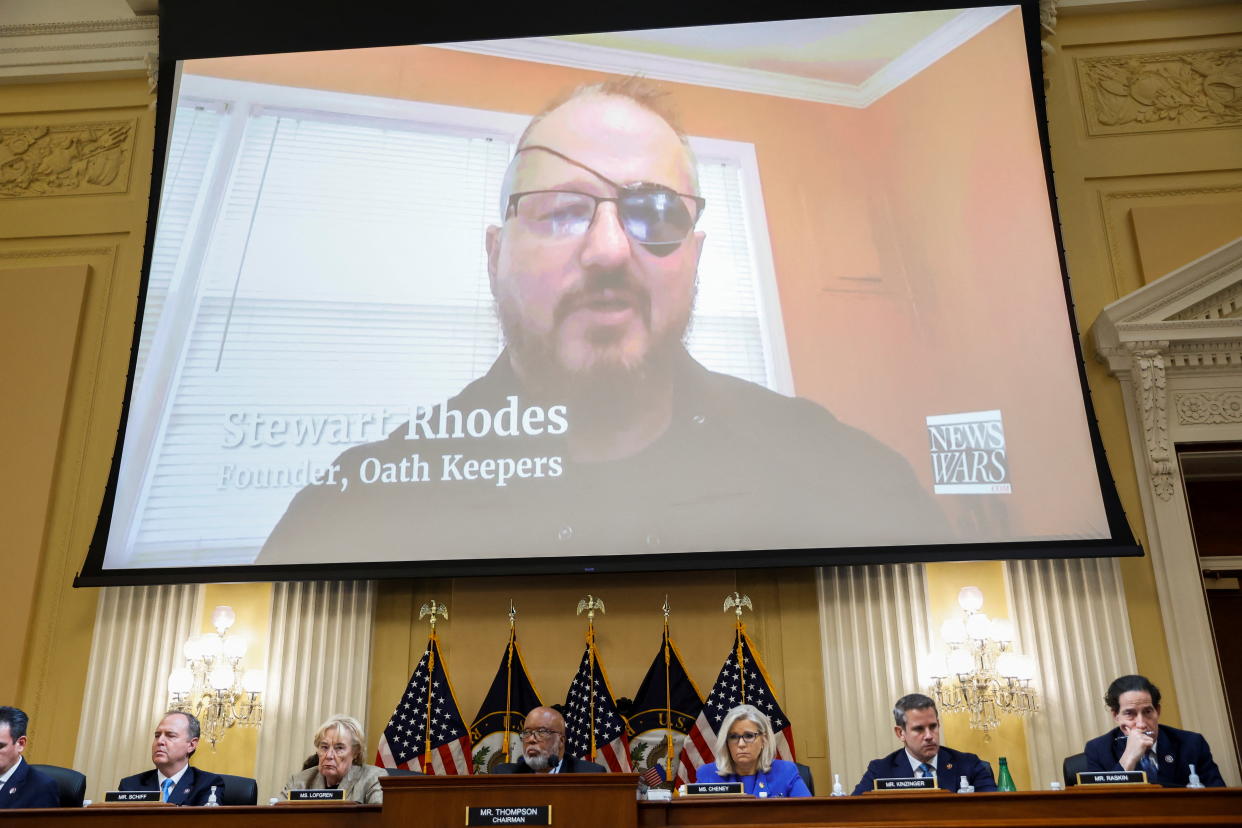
{"points": [[734, 686], [427, 706], [589, 692]]}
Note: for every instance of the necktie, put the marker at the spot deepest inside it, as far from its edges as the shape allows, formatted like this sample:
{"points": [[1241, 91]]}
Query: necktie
{"points": [[166, 788], [1150, 765], [926, 770]]}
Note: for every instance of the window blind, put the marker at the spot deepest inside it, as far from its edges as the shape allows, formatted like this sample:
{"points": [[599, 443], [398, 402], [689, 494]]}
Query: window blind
{"points": [[345, 277]]}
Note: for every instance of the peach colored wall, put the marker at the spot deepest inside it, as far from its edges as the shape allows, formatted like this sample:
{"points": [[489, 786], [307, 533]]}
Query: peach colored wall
{"points": [[983, 272], [847, 194]]}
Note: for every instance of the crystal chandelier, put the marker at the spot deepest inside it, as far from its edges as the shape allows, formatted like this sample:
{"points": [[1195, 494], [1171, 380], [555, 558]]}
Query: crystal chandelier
{"points": [[981, 674], [211, 685]]}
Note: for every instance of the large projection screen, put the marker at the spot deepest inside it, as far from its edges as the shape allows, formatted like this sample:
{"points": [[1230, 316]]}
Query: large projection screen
{"points": [[764, 293]]}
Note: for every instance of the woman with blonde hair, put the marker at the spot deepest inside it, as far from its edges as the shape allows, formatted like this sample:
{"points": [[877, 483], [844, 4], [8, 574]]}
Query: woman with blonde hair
{"points": [[744, 753], [338, 746]]}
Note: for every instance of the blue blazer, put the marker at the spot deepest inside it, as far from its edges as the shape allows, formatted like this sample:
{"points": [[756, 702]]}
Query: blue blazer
{"points": [[29, 788], [1176, 751], [193, 789], [950, 767], [782, 779]]}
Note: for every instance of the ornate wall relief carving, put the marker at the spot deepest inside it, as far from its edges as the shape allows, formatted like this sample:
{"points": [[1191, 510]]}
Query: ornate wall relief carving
{"points": [[66, 159], [1208, 407], [1161, 92], [1149, 384]]}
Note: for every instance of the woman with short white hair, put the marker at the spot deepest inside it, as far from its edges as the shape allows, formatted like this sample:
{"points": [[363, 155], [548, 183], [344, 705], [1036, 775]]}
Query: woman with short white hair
{"points": [[338, 746], [744, 753]]}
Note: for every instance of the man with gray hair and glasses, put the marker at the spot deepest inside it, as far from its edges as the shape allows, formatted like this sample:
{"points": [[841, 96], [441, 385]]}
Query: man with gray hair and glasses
{"points": [[543, 747], [917, 727], [595, 431]]}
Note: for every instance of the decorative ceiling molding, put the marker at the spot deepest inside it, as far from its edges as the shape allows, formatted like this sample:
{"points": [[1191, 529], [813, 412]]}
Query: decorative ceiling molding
{"points": [[626, 62], [78, 48]]}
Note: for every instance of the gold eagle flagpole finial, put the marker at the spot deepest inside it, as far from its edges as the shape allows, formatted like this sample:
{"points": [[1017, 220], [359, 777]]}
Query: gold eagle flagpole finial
{"points": [[433, 609]]}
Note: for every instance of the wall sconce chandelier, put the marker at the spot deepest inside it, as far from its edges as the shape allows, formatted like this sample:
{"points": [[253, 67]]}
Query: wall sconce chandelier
{"points": [[981, 674], [211, 685]]}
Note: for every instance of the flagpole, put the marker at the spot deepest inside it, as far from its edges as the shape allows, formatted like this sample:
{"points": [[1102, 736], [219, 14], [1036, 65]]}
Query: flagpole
{"points": [[668, 700], [509, 679], [591, 604], [735, 602], [433, 609]]}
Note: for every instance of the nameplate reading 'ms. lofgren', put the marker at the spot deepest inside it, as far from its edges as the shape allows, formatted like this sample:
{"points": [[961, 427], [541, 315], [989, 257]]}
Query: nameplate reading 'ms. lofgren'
{"points": [[132, 796], [1134, 777], [913, 783], [316, 795], [510, 815]]}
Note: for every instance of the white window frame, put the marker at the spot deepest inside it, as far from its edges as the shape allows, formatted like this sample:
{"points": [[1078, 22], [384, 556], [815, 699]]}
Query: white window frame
{"points": [[242, 99]]}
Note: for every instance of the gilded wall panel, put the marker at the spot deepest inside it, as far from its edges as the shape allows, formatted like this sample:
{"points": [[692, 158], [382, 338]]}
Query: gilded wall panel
{"points": [[1142, 93], [66, 159]]}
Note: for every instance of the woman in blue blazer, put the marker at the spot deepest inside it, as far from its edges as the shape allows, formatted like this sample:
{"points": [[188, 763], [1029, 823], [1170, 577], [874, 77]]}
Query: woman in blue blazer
{"points": [[744, 753]]}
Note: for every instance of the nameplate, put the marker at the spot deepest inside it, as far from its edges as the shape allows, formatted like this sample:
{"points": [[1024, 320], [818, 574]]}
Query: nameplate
{"points": [[713, 788], [132, 796], [317, 795], [510, 815], [912, 783], [1134, 777]]}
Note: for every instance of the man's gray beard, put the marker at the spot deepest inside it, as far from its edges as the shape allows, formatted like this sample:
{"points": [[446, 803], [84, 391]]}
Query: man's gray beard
{"points": [[538, 763], [608, 379]]}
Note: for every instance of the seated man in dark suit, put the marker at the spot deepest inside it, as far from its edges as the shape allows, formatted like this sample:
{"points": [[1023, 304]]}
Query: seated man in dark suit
{"points": [[21, 786], [1139, 742], [918, 728], [176, 739], [543, 747]]}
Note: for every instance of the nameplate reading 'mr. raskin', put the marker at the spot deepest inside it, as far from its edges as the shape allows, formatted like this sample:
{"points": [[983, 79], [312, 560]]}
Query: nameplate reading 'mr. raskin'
{"points": [[132, 796], [316, 795], [701, 788], [913, 783], [510, 815], [1134, 777]]}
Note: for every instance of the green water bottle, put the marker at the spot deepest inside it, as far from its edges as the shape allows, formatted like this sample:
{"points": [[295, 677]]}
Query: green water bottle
{"points": [[1005, 781]]}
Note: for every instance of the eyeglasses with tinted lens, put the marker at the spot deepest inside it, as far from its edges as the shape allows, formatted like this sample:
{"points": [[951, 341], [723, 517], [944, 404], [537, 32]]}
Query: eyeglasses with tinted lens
{"points": [[657, 218], [744, 738], [540, 733]]}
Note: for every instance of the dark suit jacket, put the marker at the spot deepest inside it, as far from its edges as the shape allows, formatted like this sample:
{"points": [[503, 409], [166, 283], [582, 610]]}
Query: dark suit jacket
{"points": [[29, 788], [950, 768], [193, 789], [568, 765], [1176, 751]]}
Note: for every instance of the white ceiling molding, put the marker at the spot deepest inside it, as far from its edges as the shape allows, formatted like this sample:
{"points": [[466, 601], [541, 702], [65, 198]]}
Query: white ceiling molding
{"points": [[81, 48], [701, 73]]}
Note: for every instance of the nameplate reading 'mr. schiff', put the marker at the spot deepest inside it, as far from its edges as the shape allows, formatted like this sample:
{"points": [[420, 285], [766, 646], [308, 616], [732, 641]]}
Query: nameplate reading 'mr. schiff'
{"points": [[316, 795], [717, 788], [513, 815], [1134, 777], [913, 783], [132, 796]]}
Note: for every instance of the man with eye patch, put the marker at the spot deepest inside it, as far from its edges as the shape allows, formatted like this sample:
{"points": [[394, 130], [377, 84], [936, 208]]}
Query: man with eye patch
{"points": [[593, 266]]}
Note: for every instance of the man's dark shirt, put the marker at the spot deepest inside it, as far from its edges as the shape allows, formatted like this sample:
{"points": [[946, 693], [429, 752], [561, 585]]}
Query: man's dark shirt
{"points": [[740, 467]]}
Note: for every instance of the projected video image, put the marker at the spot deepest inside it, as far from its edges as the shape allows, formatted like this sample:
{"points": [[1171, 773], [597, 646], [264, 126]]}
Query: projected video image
{"points": [[778, 286]]}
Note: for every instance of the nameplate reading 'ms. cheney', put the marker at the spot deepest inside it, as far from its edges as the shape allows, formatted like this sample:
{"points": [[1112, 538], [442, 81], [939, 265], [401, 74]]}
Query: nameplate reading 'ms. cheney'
{"points": [[1134, 777], [913, 783], [703, 788], [317, 795], [132, 796], [510, 815]]}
